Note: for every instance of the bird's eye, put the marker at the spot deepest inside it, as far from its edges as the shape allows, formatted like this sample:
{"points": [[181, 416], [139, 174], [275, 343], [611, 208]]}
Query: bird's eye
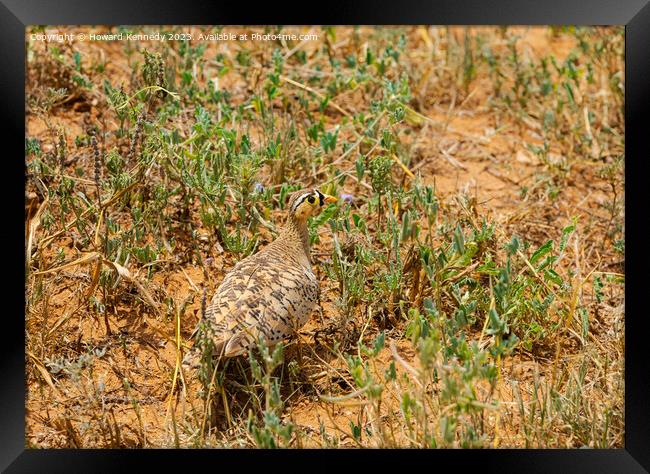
{"points": [[311, 199]]}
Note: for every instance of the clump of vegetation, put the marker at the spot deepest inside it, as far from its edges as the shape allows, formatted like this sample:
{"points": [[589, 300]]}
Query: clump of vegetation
{"points": [[471, 276]]}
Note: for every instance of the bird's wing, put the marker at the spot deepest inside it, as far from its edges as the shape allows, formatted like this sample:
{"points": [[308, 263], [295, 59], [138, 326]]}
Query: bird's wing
{"points": [[259, 300]]}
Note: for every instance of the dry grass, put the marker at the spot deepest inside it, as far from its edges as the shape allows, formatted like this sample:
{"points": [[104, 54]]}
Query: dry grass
{"points": [[472, 291]]}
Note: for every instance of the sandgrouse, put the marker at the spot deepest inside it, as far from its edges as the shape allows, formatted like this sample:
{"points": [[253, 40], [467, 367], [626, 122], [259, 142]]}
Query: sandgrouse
{"points": [[269, 295]]}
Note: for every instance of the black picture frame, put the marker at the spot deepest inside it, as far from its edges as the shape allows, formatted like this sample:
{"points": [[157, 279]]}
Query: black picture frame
{"points": [[15, 15]]}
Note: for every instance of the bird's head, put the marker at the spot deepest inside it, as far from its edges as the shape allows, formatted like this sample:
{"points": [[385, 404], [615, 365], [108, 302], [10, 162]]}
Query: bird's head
{"points": [[306, 203]]}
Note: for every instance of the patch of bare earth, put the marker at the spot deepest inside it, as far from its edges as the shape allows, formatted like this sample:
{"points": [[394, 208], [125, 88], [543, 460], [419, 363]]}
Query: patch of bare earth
{"points": [[123, 398]]}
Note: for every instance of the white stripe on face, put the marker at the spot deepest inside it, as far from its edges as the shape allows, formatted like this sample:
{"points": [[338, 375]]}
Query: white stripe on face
{"points": [[299, 201]]}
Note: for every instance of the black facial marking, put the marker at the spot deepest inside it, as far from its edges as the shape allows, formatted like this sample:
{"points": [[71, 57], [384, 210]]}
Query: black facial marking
{"points": [[321, 197]]}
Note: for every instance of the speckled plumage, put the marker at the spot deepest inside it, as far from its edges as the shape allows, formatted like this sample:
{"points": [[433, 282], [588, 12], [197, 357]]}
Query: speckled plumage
{"points": [[271, 294]]}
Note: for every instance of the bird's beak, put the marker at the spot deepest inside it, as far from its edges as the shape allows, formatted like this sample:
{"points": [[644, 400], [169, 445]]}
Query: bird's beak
{"points": [[330, 199]]}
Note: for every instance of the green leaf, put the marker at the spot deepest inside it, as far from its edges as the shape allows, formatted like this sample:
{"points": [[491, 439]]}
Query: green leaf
{"points": [[585, 322], [513, 246], [553, 276], [598, 289], [360, 167], [391, 373], [356, 431], [540, 252], [379, 343], [459, 241], [565, 235], [497, 325]]}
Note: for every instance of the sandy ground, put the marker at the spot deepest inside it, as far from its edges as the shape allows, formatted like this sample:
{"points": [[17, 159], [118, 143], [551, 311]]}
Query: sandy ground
{"points": [[461, 149]]}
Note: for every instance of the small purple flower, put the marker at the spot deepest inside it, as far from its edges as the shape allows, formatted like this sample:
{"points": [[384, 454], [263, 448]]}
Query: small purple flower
{"points": [[258, 188], [348, 198]]}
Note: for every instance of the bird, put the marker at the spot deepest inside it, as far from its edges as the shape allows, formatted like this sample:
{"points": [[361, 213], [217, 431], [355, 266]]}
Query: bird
{"points": [[269, 295]]}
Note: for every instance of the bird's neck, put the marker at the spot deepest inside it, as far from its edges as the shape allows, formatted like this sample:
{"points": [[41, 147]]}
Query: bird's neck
{"points": [[296, 230]]}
